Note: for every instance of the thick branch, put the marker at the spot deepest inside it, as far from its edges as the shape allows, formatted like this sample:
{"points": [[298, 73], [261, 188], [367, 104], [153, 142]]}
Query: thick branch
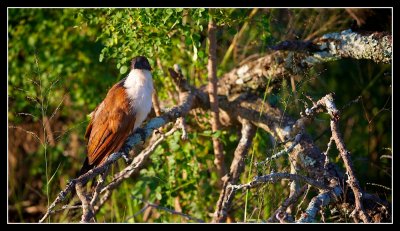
{"points": [[212, 93], [376, 46], [87, 210], [256, 74]]}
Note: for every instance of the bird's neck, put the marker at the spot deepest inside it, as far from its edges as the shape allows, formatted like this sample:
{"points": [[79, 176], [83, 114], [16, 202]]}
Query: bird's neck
{"points": [[138, 78], [139, 88]]}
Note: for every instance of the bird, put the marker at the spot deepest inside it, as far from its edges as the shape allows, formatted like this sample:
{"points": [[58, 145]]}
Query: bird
{"points": [[121, 113]]}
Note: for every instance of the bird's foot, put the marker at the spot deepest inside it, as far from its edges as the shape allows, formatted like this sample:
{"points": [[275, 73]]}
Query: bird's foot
{"points": [[126, 158], [158, 131], [142, 133]]}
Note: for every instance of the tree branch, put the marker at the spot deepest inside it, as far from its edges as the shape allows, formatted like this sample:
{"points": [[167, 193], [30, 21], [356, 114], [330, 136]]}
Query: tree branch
{"points": [[212, 94], [87, 209], [319, 201], [274, 177], [271, 68], [328, 104], [237, 167], [345, 154], [280, 213]]}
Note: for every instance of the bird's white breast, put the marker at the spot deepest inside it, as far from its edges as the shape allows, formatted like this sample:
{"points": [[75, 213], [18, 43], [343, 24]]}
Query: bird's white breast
{"points": [[139, 88]]}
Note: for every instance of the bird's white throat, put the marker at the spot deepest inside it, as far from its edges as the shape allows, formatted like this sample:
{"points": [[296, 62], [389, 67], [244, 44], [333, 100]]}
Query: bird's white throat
{"points": [[139, 88]]}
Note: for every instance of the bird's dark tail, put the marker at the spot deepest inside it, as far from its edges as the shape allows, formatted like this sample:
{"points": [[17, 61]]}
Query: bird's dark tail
{"points": [[85, 168]]}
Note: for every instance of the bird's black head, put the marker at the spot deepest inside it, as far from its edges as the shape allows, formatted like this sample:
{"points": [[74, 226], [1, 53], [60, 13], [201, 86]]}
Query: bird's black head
{"points": [[140, 62]]}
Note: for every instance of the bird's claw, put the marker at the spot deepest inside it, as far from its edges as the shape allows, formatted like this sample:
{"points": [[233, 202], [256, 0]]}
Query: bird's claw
{"points": [[126, 158], [142, 133]]}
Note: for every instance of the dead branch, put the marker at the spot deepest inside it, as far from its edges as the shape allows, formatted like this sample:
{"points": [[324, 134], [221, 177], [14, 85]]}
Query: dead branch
{"points": [[376, 46], [285, 151], [274, 177], [327, 103], [319, 201], [87, 209], [237, 166], [270, 69], [281, 211], [359, 211]]}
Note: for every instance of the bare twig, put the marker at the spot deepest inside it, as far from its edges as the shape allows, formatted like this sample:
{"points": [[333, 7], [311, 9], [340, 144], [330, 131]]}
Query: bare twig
{"points": [[379, 185], [353, 182], [282, 152], [328, 103], [182, 125], [286, 203], [319, 201], [98, 188], [181, 121], [87, 209], [274, 177], [326, 153], [237, 166], [66, 207]]}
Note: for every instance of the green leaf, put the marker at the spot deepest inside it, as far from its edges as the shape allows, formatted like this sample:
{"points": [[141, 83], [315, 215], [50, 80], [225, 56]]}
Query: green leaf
{"points": [[123, 69], [217, 134], [174, 146], [158, 196], [101, 57], [201, 54], [206, 133], [188, 41], [195, 53]]}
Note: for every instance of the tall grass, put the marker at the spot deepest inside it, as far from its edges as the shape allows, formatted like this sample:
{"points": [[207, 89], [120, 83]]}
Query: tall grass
{"points": [[41, 95]]}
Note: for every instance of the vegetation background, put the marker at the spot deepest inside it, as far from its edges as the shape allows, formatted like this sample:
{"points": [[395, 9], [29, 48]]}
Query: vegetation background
{"points": [[61, 63]]}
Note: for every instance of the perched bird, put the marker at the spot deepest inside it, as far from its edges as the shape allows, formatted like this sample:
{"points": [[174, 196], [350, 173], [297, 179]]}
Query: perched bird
{"points": [[122, 111]]}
